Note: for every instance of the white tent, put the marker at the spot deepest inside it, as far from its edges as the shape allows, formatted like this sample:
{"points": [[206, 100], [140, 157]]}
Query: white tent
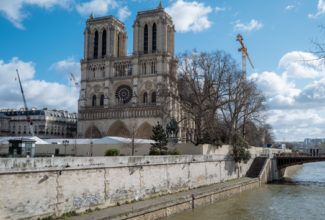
{"points": [[120, 140], [71, 141]]}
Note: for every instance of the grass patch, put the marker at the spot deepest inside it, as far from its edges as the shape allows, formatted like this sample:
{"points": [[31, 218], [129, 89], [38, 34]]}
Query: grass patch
{"points": [[69, 214]]}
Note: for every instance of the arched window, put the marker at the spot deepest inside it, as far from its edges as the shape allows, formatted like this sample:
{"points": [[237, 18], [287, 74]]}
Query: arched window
{"points": [[153, 97], [145, 97], [102, 100], [96, 45], [154, 38], [104, 43], [153, 67], [145, 49], [94, 100]]}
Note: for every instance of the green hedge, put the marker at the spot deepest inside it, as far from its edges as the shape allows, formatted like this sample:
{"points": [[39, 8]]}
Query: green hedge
{"points": [[113, 152], [154, 152], [176, 153]]}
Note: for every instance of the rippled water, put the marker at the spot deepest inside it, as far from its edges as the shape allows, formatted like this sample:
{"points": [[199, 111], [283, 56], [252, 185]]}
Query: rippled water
{"points": [[299, 196]]}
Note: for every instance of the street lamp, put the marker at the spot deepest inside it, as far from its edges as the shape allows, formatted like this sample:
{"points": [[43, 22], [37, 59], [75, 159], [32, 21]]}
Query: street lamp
{"points": [[65, 143]]}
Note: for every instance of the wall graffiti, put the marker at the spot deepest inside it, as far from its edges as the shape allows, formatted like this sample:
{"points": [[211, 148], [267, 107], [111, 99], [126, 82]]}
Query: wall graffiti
{"points": [[79, 202]]}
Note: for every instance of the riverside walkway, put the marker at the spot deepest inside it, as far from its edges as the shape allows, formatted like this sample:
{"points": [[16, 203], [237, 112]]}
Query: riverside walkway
{"points": [[169, 205]]}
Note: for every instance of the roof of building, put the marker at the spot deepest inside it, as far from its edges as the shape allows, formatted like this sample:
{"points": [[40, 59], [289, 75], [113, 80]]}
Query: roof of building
{"points": [[21, 139], [4, 116], [38, 140], [104, 140], [54, 113], [71, 141]]}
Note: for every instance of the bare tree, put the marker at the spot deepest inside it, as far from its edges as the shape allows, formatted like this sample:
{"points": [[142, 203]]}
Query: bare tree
{"points": [[289, 145], [198, 90], [134, 137], [319, 48], [259, 135], [246, 106], [267, 130]]}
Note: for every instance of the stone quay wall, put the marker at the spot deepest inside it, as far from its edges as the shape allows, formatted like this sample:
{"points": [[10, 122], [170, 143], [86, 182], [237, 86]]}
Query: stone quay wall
{"points": [[40, 187]]}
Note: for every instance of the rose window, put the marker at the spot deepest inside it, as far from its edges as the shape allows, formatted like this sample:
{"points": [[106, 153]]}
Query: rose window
{"points": [[123, 94]]}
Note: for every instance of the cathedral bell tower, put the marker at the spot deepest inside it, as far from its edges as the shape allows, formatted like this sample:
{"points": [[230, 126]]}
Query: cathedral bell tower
{"points": [[119, 91]]}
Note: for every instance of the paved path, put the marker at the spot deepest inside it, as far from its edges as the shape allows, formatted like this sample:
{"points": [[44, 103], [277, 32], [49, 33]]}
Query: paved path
{"points": [[131, 210]]}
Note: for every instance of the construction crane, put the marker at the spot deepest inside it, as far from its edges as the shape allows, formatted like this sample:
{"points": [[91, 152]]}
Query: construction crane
{"points": [[75, 80], [244, 52], [26, 108]]}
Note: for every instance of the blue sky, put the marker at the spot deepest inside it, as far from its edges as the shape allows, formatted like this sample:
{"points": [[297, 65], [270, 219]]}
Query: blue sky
{"points": [[44, 40]]}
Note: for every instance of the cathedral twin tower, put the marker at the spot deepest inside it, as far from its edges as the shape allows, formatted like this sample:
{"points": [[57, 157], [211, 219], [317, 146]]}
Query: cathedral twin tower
{"points": [[119, 91]]}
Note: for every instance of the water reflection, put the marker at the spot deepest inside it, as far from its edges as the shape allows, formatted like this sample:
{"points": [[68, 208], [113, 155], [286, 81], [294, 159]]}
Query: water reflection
{"points": [[301, 195]]}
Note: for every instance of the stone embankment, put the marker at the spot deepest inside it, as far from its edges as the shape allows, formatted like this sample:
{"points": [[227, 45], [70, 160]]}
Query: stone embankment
{"points": [[169, 205], [34, 188]]}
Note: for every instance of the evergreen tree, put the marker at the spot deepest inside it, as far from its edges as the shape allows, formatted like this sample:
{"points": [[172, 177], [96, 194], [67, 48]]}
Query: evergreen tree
{"points": [[240, 150], [160, 138]]}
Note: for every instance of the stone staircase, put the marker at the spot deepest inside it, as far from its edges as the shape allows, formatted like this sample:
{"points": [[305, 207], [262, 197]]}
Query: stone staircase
{"points": [[256, 167]]}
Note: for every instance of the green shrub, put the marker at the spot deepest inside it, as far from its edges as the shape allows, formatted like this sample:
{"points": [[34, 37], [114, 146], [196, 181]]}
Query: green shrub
{"points": [[118, 204], [127, 202], [176, 153], [164, 153], [154, 152], [240, 151], [122, 155], [46, 218], [113, 152], [89, 210], [68, 214], [97, 209], [134, 201]]}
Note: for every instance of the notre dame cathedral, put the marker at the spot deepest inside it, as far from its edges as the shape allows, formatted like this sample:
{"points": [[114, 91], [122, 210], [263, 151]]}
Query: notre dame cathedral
{"points": [[119, 91]]}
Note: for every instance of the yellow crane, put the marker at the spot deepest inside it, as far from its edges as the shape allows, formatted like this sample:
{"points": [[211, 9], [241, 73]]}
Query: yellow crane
{"points": [[244, 52]]}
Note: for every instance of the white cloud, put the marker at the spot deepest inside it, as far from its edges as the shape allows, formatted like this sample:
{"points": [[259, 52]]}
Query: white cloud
{"points": [[289, 7], [321, 9], [190, 16], [38, 93], [295, 125], [97, 7], [67, 66], [295, 113], [302, 65], [217, 9], [248, 27], [12, 9], [123, 13], [273, 84]]}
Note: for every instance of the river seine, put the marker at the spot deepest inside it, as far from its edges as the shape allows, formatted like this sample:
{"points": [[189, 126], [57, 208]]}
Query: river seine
{"points": [[301, 195]]}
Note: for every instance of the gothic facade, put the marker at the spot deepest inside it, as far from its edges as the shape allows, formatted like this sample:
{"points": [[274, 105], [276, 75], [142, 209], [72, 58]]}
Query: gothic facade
{"points": [[119, 91]]}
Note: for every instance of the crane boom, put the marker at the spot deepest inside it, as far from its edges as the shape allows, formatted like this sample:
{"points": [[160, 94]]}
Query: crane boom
{"points": [[245, 54], [26, 108], [75, 80]]}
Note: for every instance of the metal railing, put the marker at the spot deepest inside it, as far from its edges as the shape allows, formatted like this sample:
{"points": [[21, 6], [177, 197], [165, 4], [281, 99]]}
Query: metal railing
{"points": [[300, 155]]}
